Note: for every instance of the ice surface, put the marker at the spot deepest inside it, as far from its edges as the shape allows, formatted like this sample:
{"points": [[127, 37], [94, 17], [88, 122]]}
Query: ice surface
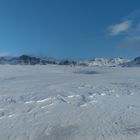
{"points": [[69, 103]]}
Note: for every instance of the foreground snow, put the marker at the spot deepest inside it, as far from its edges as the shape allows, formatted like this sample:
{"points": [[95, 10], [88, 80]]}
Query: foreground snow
{"points": [[69, 103]]}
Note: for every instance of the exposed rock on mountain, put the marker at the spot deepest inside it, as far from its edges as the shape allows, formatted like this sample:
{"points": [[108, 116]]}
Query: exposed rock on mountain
{"points": [[33, 60], [133, 63]]}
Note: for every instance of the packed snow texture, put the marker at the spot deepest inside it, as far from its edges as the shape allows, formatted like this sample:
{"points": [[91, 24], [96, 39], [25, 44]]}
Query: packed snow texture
{"points": [[69, 103]]}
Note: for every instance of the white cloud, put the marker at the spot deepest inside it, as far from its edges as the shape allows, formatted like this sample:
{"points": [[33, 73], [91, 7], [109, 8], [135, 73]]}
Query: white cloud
{"points": [[132, 38], [119, 28], [130, 27]]}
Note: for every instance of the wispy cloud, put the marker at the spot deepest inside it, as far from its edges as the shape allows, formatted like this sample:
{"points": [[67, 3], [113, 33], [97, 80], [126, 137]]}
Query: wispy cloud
{"points": [[132, 38], [120, 27], [134, 16], [131, 42], [130, 26]]}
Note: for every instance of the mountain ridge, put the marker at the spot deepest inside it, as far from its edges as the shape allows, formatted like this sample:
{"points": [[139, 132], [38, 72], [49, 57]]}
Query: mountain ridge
{"points": [[36, 60]]}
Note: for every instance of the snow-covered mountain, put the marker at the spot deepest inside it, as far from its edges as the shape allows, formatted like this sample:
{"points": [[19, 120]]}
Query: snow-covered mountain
{"points": [[133, 63], [34, 60], [104, 62], [26, 60]]}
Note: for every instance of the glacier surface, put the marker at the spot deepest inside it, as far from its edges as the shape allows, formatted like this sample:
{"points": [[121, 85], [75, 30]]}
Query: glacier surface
{"points": [[54, 102]]}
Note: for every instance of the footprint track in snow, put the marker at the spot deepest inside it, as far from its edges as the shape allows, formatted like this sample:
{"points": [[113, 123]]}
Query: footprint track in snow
{"points": [[76, 100]]}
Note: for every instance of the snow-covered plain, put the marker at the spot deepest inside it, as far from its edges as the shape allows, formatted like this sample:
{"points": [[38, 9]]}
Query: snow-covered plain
{"points": [[69, 103]]}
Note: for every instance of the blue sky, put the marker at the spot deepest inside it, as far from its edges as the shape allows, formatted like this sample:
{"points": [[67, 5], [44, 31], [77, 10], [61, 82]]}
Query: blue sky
{"points": [[77, 29]]}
